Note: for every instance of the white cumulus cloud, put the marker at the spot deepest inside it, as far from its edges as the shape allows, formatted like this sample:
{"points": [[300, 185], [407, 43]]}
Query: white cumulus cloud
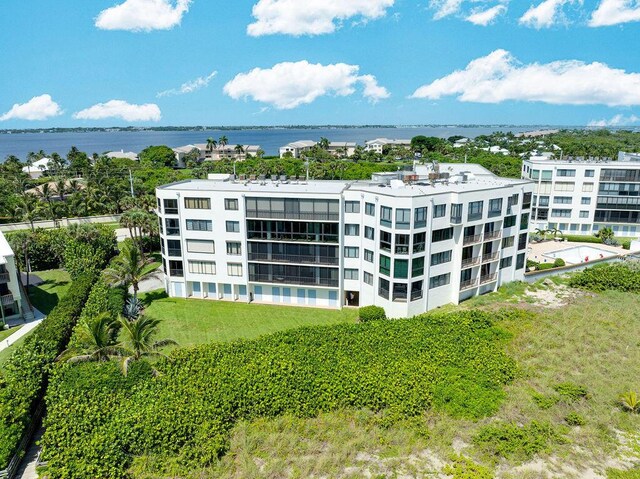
{"points": [[288, 85], [38, 108], [120, 109], [545, 14], [499, 77], [311, 17], [143, 15], [190, 86], [617, 120], [444, 8], [614, 12], [486, 17]]}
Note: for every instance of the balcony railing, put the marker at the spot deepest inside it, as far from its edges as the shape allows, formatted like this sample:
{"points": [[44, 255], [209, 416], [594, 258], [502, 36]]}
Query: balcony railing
{"points": [[486, 258], [174, 251], [492, 235], [471, 239], [281, 215], [415, 295], [456, 220], [4, 278], [292, 237], [176, 272], [6, 300], [305, 280], [470, 261], [468, 284], [488, 278], [292, 258]]}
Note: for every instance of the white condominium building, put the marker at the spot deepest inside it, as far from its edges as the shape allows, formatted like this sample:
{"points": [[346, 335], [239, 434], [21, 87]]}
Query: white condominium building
{"points": [[378, 144], [580, 196], [406, 241], [10, 290]]}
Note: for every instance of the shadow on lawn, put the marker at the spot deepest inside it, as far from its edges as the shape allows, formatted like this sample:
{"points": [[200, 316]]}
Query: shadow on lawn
{"points": [[152, 296], [42, 299]]}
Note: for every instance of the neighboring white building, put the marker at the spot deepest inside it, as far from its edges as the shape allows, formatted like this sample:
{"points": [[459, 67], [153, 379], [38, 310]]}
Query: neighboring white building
{"points": [[129, 155], [338, 148], [462, 142], [496, 150], [434, 237], [580, 196], [219, 152], [36, 170], [10, 290], [378, 144]]}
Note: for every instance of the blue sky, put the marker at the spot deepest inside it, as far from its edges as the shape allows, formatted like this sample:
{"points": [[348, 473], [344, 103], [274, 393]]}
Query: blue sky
{"points": [[104, 62]]}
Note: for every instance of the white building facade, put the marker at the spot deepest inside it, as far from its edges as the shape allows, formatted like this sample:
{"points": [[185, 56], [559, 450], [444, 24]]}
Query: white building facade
{"points": [[408, 246], [583, 196], [378, 144], [10, 290]]}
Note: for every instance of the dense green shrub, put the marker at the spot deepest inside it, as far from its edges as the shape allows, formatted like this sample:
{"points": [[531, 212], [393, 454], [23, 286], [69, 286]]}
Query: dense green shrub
{"points": [[570, 392], [26, 371], [371, 313], [583, 239], [617, 276], [575, 419], [519, 443], [462, 467], [97, 421], [559, 263], [544, 401]]}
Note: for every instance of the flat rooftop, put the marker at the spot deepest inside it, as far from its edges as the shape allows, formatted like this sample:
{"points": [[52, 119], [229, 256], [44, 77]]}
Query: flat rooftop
{"points": [[5, 249]]}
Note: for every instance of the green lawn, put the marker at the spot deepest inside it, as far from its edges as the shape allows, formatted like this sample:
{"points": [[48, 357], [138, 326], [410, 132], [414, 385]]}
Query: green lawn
{"points": [[194, 321], [8, 332], [156, 262], [5, 353], [45, 296]]}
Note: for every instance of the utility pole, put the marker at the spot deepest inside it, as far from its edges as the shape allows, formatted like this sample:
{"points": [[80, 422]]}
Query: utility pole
{"points": [[131, 184]]}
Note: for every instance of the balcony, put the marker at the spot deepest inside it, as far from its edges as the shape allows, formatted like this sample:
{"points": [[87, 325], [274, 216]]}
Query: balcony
{"points": [[290, 215], [292, 258], [174, 252], [456, 220], [303, 280], [487, 258], [468, 284], [416, 295], [470, 262], [488, 278], [4, 278], [492, 235], [471, 239], [176, 272], [7, 300]]}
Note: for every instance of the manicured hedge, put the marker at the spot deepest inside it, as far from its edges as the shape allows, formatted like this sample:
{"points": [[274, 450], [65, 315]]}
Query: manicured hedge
{"points": [[26, 371], [371, 313], [98, 420], [617, 276]]}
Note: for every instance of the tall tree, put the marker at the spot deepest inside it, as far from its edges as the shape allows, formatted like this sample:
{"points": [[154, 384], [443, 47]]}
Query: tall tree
{"points": [[129, 268], [96, 341], [138, 340]]}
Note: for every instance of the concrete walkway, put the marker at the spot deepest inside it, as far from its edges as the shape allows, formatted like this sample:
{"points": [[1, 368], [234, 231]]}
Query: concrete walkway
{"points": [[152, 283], [28, 468], [23, 331]]}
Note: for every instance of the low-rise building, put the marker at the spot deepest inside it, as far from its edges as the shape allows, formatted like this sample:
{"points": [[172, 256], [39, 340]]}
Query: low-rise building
{"points": [[583, 195], [379, 144], [336, 148], [129, 155], [11, 306], [215, 153], [406, 241], [38, 168]]}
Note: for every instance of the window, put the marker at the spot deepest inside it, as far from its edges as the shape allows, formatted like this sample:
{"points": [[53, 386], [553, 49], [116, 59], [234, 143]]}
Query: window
{"points": [[508, 241], [510, 221], [417, 267], [352, 207], [547, 174], [416, 290], [419, 242], [442, 235], [197, 203], [369, 209], [175, 268], [234, 247], [399, 292], [439, 211], [401, 268], [495, 207], [173, 226], [199, 225], [589, 173], [585, 200], [352, 230], [230, 204], [526, 201], [440, 280], [544, 188], [403, 219], [385, 241], [174, 249], [385, 216], [351, 274], [543, 201], [368, 255], [562, 200], [368, 278], [524, 221], [535, 174], [402, 244], [420, 217], [584, 214], [351, 251], [522, 241], [456, 213], [234, 269], [383, 288], [520, 261], [475, 210], [170, 207], [564, 186], [506, 262], [439, 258], [369, 232], [200, 246], [202, 267], [560, 213], [385, 265], [587, 187], [233, 226], [562, 172]]}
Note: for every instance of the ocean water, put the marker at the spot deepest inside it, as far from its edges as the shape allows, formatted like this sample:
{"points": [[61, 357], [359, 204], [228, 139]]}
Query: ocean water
{"points": [[19, 144]]}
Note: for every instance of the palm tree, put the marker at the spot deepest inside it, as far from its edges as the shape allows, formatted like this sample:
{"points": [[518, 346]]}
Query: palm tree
{"points": [[239, 149], [129, 268], [138, 340], [46, 194], [324, 143], [29, 209], [211, 145], [61, 188], [96, 339]]}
